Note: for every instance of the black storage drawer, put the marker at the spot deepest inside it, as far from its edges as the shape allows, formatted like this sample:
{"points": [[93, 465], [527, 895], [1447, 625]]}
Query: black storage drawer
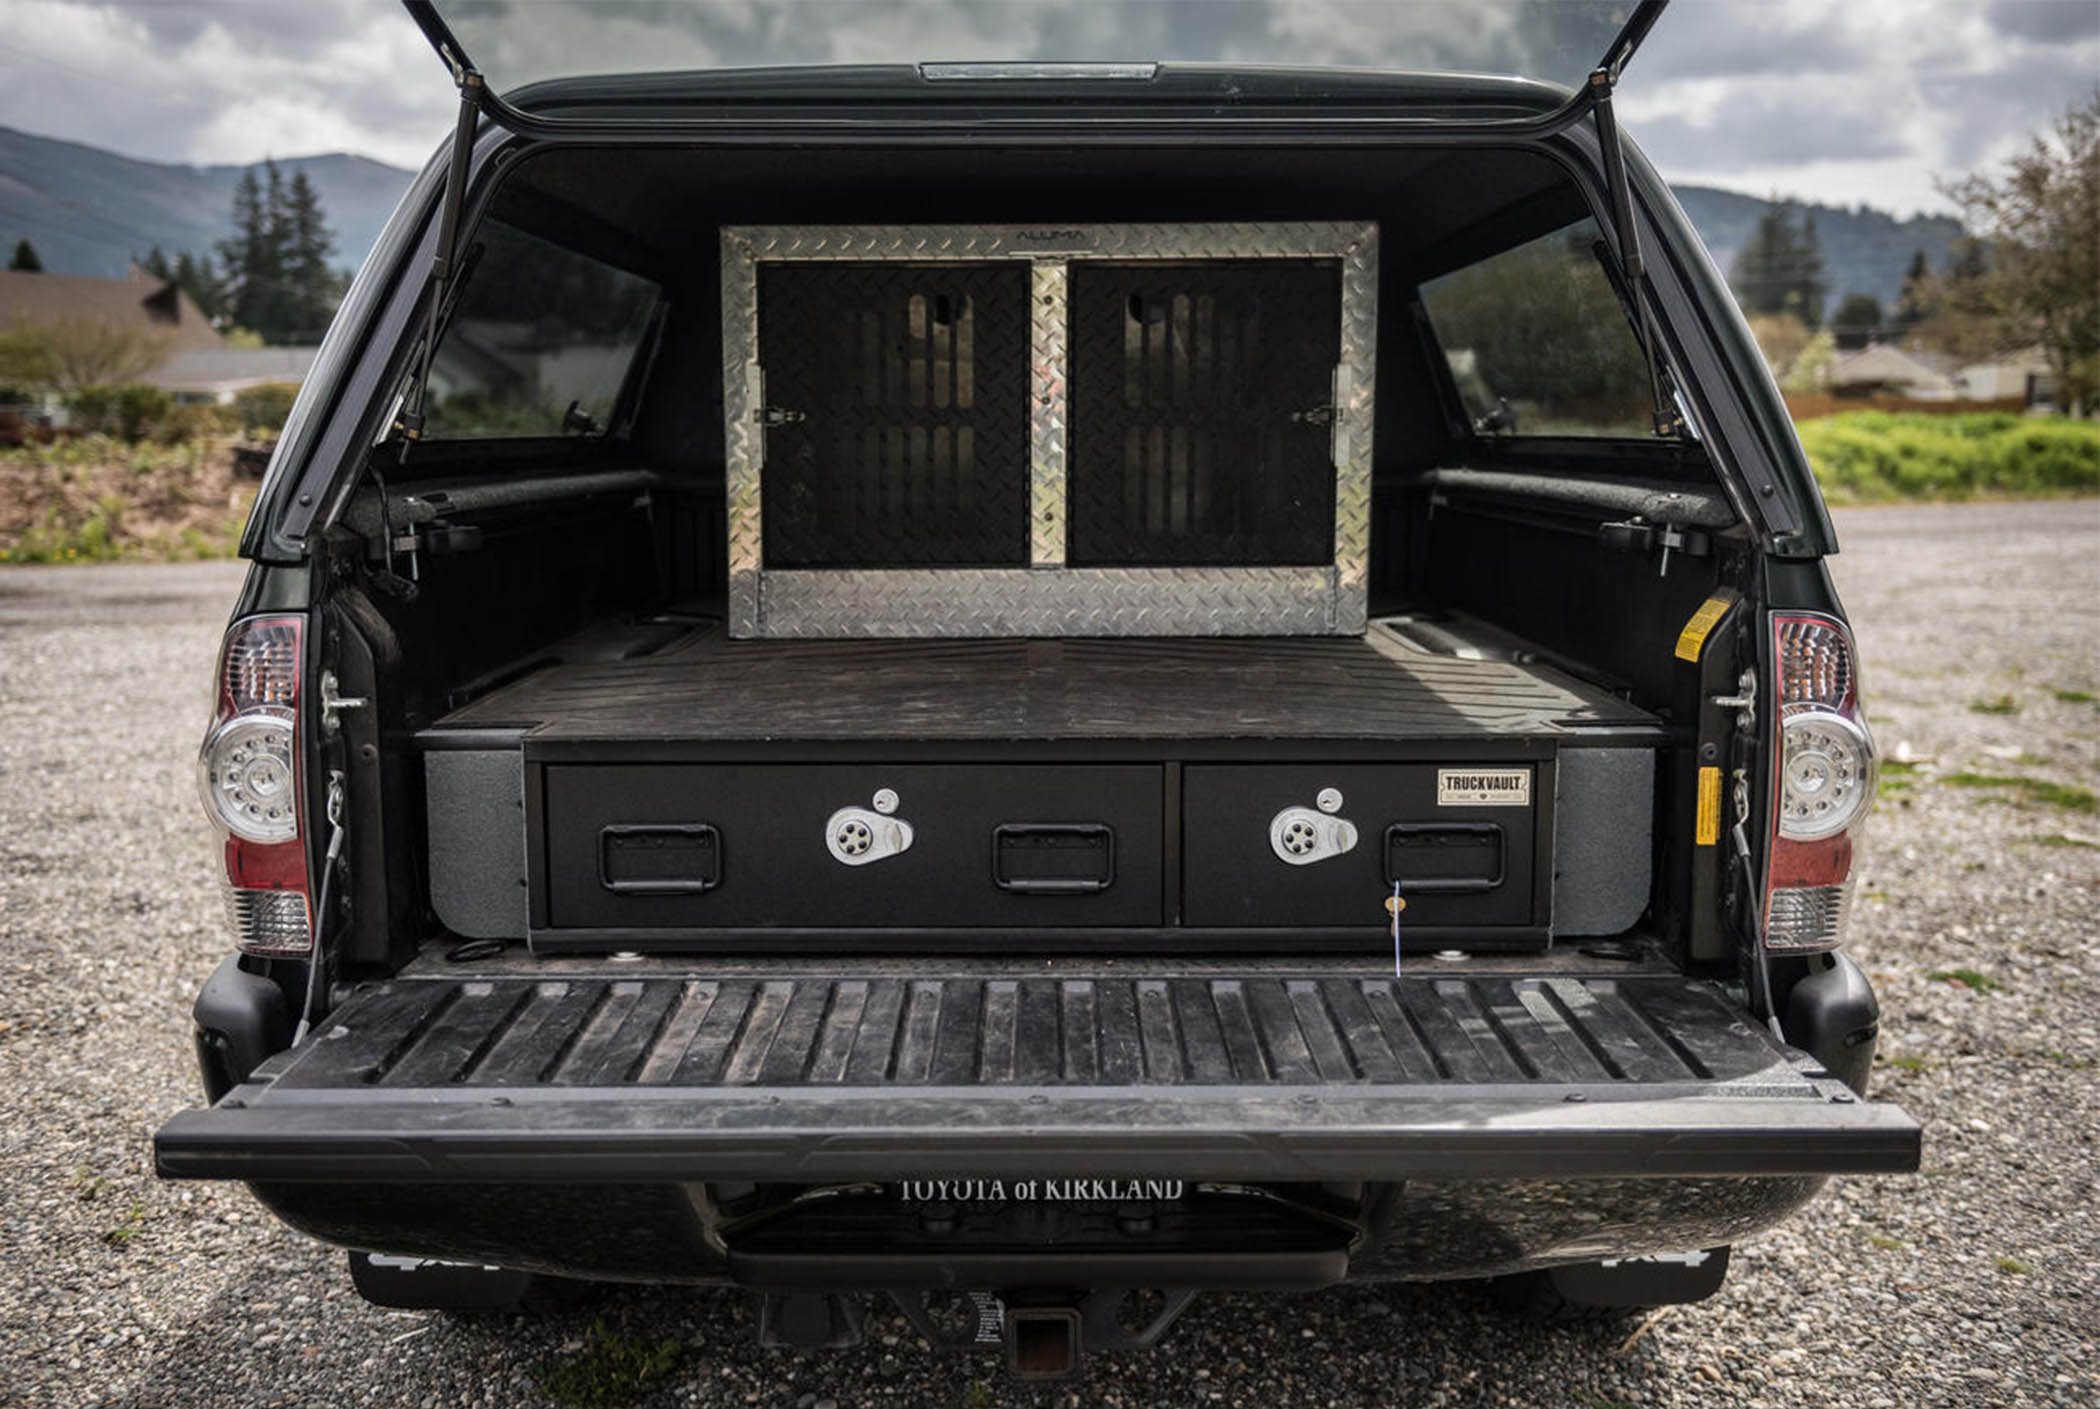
{"points": [[1459, 862], [713, 846]]}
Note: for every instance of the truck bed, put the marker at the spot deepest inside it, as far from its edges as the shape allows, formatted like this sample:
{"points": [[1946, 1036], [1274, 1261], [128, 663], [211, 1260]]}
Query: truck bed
{"points": [[1376, 687]]}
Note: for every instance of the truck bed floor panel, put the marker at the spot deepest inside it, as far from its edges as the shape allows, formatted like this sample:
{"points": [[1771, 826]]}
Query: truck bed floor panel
{"points": [[1371, 687]]}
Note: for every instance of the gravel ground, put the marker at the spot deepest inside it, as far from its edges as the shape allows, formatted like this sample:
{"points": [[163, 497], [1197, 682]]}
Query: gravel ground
{"points": [[1976, 1282]]}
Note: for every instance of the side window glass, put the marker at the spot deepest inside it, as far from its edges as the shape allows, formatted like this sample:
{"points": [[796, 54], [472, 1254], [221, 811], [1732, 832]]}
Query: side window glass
{"points": [[540, 343], [1538, 343]]}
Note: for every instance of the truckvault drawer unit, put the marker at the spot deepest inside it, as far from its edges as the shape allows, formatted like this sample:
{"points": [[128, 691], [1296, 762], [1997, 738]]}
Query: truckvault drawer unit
{"points": [[1081, 794]]}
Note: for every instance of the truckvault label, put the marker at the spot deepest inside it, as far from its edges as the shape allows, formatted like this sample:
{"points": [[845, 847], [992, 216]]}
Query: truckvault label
{"points": [[1483, 787]]}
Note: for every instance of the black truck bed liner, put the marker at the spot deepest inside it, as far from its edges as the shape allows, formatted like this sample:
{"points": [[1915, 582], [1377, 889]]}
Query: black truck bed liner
{"points": [[1264, 1071], [1373, 687]]}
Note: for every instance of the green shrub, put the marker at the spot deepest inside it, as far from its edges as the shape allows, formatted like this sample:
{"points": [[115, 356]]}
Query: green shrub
{"points": [[186, 423], [263, 408], [1876, 456], [133, 411]]}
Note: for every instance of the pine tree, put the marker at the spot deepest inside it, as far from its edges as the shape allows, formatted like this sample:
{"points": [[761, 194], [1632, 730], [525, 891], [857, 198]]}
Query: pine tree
{"points": [[155, 265], [1780, 268], [245, 256], [193, 272], [309, 242], [1914, 303], [25, 260], [1857, 321], [276, 280]]}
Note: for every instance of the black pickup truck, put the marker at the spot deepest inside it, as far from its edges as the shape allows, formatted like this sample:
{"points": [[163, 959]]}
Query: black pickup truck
{"points": [[1036, 686]]}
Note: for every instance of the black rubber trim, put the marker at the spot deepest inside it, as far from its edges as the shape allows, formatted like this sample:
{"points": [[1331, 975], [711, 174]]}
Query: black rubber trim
{"points": [[823, 1136]]}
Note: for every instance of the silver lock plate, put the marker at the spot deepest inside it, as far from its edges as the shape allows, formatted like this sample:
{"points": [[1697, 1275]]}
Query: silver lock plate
{"points": [[1301, 836], [856, 836]]}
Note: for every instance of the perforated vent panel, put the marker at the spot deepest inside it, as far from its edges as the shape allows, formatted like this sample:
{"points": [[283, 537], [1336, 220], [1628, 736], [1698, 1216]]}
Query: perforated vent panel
{"points": [[1200, 412], [897, 414]]}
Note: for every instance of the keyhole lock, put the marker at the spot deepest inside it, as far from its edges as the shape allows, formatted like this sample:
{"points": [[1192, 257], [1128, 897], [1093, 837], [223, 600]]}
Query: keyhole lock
{"points": [[857, 836], [1302, 835]]}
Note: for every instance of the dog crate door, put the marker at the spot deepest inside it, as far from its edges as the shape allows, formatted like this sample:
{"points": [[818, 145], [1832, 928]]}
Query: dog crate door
{"points": [[1202, 412], [895, 415]]}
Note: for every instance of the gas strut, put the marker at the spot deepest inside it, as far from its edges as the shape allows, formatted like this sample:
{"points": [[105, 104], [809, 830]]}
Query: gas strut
{"points": [[444, 263], [1668, 422]]}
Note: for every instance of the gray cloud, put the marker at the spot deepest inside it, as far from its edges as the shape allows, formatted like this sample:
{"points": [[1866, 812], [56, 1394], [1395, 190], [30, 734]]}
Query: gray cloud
{"points": [[2045, 21]]}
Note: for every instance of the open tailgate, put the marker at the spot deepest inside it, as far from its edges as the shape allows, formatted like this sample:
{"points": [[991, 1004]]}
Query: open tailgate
{"points": [[809, 1072]]}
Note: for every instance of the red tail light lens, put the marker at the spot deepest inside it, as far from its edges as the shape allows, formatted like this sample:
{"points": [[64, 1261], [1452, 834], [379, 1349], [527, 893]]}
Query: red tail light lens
{"points": [[249, 776], [1822, 787]]}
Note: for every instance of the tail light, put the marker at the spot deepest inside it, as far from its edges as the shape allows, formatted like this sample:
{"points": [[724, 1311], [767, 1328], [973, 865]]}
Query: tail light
{"points": [[249, 775], [1823, 784]]}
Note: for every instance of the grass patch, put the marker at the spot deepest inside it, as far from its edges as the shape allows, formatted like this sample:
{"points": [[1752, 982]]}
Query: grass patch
{"points": [[1916, 1066], [2012, 1266], [2076, 696], [1878, 457], [1975, 980], [1897, 777], [128, 1227], [611, 1371], [1884, 1241], [98, 499], [2029, 790], [1996, 704], [2064, 839]]}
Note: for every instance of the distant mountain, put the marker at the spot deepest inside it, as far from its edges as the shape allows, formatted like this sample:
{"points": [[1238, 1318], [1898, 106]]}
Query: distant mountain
{"points": [[89, 211], [1865, 251]]}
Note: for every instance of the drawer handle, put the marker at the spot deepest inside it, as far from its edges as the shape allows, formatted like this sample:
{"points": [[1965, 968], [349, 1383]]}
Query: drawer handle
{"points": [[677, 859], [1053, 858]]}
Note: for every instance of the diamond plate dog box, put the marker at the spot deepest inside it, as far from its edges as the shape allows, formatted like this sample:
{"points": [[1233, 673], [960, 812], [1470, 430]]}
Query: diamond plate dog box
{"points": [[1096, 430]]}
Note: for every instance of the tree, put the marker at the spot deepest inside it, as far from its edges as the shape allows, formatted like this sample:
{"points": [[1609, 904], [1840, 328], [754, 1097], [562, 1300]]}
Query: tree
{"points": [[1857, 321], [276, 278], [310, 283], [1954, 314], [1811, 369], [1911, 302], [69, 354], [1781, 338], [2042, 222], [25, 260], [194, 274], [1780, 268]]}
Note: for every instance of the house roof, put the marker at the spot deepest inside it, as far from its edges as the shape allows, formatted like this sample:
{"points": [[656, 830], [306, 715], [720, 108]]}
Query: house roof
{"points": [[153, 305], [217, 369], [1883, 365]]}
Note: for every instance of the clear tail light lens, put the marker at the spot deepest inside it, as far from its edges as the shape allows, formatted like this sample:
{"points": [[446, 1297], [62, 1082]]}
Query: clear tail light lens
{"points": [[1823, 784], [249, 777]]}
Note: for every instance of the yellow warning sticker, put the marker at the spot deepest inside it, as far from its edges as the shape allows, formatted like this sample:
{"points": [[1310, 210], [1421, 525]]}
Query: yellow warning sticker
{"points": [[1708, 827], [1692, 640]]}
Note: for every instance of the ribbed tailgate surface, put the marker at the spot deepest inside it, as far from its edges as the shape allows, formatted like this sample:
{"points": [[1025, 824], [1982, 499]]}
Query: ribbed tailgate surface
{"points": [[809, 1030]]}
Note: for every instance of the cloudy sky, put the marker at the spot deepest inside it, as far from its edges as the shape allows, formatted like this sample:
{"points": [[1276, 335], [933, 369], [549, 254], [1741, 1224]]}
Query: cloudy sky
{"points": [[1835, 100]]}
